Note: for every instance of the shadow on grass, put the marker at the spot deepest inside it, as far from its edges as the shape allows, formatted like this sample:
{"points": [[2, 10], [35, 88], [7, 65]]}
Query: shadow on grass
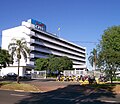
{"points": [[106, 87], [41, 80], [15, 80], [72, 94]]}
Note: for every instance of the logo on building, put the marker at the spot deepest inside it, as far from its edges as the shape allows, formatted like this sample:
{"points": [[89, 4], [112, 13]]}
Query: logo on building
{"points": [[38, 25]]}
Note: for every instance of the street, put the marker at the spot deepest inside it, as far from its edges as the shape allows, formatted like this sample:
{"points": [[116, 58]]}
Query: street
{"points": [[12, 97], [59, 93]]}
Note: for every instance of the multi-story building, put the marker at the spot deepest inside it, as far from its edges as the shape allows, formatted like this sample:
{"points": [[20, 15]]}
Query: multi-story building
{"points": [[41, 44]]}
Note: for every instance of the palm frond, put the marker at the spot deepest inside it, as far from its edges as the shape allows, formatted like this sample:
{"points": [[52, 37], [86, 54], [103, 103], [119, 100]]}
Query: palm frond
{"points": [[20, 47], [26, 49], [24, 54], [11, 45]]}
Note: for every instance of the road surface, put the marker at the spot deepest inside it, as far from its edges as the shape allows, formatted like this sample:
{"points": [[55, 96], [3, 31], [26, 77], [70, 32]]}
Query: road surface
{"points": [[59, 93]]}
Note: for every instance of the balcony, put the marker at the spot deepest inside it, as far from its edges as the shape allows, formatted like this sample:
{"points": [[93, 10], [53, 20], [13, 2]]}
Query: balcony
{"points": [[40, 49], [29, 32], [37, 55], [32, 63], [56, 48]]}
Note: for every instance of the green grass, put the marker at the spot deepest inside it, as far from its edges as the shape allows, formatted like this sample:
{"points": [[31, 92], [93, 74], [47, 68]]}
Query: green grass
{"points": [[116, 79], [15, 86]]}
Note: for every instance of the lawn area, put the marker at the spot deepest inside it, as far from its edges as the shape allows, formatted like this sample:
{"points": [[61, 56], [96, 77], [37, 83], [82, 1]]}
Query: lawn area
{"points": [[115, 88], [9, 85]]}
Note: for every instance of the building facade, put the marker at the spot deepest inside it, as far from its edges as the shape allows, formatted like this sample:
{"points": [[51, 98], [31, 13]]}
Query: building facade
{"points": [[42, 44]]}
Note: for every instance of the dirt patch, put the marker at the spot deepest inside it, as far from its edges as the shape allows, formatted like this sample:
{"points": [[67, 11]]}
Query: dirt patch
{"points": [[116, 89], [50, 88]]}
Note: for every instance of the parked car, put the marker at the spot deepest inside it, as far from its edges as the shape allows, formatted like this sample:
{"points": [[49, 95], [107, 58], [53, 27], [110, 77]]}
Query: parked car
{"points": [[26, 76], [10, 76]]}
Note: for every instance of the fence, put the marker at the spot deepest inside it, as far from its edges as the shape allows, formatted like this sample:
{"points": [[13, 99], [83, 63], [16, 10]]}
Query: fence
{"points": [[74, 72], [38, 74]]}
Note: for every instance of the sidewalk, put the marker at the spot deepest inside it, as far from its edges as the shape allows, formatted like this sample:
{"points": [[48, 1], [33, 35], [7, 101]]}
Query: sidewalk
{"points": [[115, 99]]}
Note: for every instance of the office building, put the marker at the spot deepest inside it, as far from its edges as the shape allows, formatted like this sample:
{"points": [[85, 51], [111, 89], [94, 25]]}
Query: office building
{"points": [[41, 43]]}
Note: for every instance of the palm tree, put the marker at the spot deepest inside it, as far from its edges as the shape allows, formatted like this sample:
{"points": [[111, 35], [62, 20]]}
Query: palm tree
{"points": [[93, 58], [19, 48]]}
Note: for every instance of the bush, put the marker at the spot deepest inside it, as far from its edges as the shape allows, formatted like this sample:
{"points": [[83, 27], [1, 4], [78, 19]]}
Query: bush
{"points": [[116, 79]]}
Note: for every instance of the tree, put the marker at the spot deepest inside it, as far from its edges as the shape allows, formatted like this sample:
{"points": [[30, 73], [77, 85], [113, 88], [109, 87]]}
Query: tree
{"points": [[19, 48], [93, 58], [66, 63], [53, 63], [5, 58], [60, 63], [41, 64], [109, 50]]}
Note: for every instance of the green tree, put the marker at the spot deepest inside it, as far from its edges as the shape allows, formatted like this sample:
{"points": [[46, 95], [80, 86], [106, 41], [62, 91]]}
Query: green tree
{"points": [[53, 63], [93, 58], [109, 50], [41, 64], [19, 48], [5, 58], [66, 63], [60, 63]]}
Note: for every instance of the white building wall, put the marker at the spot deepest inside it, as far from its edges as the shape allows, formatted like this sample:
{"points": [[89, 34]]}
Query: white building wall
{"points": [[16, 33], [5, 71]]}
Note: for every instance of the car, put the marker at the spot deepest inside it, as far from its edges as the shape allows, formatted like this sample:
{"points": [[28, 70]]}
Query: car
{"points": [[26, 76], [10, 76]]}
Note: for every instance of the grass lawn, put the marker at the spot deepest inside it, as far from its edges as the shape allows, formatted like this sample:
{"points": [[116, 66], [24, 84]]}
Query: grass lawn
{"points": [[7, 85], [109, 87]]}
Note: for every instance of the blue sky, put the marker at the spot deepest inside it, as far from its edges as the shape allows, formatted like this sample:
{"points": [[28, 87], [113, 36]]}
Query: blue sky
{"points": [[80, 21]]}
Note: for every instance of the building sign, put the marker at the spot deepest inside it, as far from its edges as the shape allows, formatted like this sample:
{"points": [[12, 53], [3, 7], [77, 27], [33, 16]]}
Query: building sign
{"points": [[38, 25]]}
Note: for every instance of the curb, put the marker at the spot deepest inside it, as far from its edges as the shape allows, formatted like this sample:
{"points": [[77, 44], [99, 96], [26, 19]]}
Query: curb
{"points": [[110, 101]]}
